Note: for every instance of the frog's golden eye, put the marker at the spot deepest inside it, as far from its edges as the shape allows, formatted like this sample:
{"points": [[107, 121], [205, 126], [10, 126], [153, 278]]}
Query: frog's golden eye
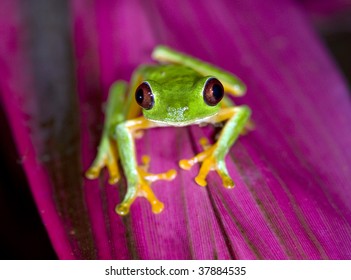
{"points": [[213, 92], [144, 96]]}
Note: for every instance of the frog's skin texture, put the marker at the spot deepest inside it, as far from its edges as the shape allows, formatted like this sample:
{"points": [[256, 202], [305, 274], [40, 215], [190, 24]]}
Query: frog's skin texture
{"points": [[179, 92]]}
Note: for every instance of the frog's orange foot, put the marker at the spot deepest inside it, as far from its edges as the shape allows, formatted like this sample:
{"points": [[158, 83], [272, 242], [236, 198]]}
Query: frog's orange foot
{"points": [[209, 162], [143, 188], [107, 156]]}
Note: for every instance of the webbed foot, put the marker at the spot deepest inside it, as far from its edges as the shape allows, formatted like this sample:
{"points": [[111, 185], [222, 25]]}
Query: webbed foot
{"points": [[142, 188], [210, 161]]}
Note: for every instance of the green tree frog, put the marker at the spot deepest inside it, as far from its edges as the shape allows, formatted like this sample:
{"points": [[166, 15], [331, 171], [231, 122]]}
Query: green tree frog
{"points": [[179, 91]]}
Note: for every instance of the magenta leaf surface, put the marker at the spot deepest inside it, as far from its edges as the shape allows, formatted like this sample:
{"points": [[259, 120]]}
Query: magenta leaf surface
{"points": [[292, 173]]}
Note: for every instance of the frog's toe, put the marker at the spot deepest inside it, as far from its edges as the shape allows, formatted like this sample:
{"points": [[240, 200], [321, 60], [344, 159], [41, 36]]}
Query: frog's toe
{"points": [[186, 164], [207, 165], [111, 163], [168, 176], [222, 171], [210, 161], [157, 207], [143, 188], [107, 157], [201, 181], [113, 179], [92, 173], [122, 209], [150, 177], [94, 170], [113, 171], [200, 157], [213, 164], [226, 180]]}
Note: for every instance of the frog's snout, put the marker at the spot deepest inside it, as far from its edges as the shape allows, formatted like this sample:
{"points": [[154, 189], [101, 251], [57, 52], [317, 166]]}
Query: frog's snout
{"points": [[177, 114]]}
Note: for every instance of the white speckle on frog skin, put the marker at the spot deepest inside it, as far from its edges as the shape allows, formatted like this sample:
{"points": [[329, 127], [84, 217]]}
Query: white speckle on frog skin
{"points": [[176, 114]]}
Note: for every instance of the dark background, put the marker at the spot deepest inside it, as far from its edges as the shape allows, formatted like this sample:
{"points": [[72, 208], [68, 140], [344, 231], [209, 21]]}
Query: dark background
{"points": [[22, 234]]}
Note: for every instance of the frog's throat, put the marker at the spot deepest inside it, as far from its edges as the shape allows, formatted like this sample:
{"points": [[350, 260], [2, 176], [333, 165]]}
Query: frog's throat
{"points": [[205, 120]]}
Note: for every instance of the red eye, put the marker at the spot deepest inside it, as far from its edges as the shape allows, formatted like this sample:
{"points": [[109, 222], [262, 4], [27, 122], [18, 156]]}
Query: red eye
{"points": [[144, 96], [213, 92]]}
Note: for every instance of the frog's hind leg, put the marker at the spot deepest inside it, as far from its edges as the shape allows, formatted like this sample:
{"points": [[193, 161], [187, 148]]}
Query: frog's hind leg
{"points": [[232, 84], [107, 154]]}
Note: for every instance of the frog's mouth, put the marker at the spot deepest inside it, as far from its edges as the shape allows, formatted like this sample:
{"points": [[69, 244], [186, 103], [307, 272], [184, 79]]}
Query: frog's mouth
{"points": [[175, 122]]}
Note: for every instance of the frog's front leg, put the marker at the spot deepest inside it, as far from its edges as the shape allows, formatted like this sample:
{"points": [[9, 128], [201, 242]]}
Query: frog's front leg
{"points": [[212, 157], [138, 177]]}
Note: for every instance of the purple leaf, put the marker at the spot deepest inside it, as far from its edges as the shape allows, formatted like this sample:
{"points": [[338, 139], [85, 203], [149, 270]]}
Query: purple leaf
{"points": [[292, 172]]}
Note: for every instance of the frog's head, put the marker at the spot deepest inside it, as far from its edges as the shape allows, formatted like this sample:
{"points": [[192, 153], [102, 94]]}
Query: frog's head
{"points": [[180, 103]]}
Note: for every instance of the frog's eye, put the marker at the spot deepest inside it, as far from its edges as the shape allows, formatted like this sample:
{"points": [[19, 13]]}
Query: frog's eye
{"points": [[213, 92], [144, 96]]}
